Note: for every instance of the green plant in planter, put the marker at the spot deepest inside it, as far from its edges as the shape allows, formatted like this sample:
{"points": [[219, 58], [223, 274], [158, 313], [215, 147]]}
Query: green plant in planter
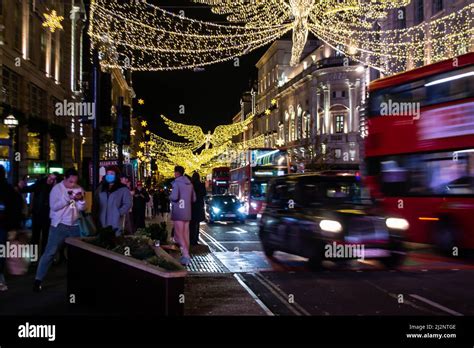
{"points": [[105, 238], [138, 247], [159, 232], [155, 232]]}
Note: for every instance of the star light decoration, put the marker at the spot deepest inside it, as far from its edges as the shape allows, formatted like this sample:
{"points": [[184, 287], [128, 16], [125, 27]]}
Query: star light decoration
{"points": [[52, 21], [140, 36], [280, 142], [141, 102]]}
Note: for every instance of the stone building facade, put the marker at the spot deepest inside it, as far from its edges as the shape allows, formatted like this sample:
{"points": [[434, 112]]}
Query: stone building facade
{"points": [[312, 109], [41, 70]]}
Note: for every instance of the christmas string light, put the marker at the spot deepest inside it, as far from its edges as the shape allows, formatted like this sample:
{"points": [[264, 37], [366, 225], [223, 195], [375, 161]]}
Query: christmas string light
{"points": [[140, 36]]}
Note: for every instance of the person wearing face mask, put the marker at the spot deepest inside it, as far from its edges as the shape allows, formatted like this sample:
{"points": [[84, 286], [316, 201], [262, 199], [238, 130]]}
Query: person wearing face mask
{"points": [[112, 201]]}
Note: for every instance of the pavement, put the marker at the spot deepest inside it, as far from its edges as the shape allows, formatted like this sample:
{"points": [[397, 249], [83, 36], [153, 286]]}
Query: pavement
{"points": [[230, 275]]}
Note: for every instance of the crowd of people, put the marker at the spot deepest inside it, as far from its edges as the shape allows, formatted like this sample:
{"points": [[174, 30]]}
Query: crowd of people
{"points": [[59, 202]]}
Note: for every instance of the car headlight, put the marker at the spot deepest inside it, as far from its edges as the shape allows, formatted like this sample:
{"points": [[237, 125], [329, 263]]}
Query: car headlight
{"points": [[253, 205], [241, 210], [330, 226], [216, 210], [397, 224]]}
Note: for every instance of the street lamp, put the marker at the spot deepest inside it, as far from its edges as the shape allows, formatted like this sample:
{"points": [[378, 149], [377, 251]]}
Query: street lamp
{"points": [[11, 122]]}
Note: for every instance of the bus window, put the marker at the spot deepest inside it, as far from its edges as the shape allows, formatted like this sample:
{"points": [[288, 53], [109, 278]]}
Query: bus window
{"points": [[435, 174], [435, 90]]}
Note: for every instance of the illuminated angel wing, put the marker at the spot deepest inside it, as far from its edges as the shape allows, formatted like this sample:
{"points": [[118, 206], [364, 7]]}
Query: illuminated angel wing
{"points": [[253, 13], [189, 132], [225, 133]]}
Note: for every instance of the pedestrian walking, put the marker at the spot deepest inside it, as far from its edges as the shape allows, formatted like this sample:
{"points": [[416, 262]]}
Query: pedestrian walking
{"points": [[156, 202], [197, 209], [23, 183], [66, 202], [10, 217], [140, 199], [182, 196], [164, 204], [112, 201], [41, 222], [128, 220], [149, 206]]}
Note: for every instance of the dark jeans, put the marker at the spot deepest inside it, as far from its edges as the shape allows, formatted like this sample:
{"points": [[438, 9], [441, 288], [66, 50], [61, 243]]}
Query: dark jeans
{"points": [[40, 231], [193, 232], [56, 238]]}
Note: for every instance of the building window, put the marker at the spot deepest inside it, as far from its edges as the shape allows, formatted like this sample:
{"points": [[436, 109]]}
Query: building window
{"points": [[419, 11], [18, 24], [11, 88], [334, 94], [43, 44], [53, 150], [339, 123], [437, 6], [32, 39], [337, 153], [33, 146], [37, 101], [306, 132], [4, 134], [281, 132], [53, 56], [292, 126], [343, 94]]}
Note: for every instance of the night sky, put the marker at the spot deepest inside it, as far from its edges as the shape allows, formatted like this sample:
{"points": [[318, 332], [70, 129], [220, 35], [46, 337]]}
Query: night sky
{"points": [[211, 97]]}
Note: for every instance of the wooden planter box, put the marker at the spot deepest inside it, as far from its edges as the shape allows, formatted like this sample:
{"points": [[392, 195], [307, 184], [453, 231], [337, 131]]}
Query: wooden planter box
{"points": [[118, 284]]}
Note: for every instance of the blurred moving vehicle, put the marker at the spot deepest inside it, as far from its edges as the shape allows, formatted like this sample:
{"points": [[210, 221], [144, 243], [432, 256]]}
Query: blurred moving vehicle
{"points": [[328, 216], [420, 150], [224, 208], [250, 173]]}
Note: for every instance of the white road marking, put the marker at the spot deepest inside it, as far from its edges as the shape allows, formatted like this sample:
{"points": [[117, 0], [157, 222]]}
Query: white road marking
{"points": [[407, 302], [255, 297], [436, 305], [277, 295], [213, 241], [285, 295], [241, 230]]}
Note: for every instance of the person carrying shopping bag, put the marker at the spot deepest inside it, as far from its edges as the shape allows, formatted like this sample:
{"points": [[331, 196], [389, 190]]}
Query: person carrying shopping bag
{"points": [[66, 202]]}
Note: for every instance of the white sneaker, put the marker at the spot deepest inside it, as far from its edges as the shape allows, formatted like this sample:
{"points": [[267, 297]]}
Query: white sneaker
{"points": [[3, 287]]}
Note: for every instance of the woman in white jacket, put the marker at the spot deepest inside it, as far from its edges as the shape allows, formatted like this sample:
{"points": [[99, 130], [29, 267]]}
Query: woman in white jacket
{"points": [[66, 202]]}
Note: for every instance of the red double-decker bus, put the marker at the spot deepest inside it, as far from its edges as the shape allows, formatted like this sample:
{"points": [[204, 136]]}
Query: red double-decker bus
{"points": [[420, 150], [250, 173], [219, 181]]}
